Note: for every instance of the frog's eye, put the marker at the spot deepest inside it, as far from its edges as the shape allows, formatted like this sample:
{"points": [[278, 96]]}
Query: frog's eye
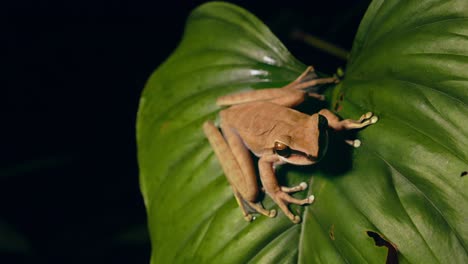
{"points": [[282, 149]]}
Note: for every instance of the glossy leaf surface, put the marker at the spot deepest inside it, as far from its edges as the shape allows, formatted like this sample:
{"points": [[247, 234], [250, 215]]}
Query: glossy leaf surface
{"points": [[408, 65]]}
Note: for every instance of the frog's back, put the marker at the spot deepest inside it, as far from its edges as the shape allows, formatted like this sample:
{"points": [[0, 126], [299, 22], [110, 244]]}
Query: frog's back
{"points": [[259, 121]]}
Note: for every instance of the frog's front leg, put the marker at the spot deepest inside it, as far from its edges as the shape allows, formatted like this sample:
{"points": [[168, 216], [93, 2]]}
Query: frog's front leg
{"points": [[278, 193], [348, 124], [237, 165]]}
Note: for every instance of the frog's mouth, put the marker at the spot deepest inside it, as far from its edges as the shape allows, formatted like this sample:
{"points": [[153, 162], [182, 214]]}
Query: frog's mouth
{"points": [[297, 157], [304, 155]]}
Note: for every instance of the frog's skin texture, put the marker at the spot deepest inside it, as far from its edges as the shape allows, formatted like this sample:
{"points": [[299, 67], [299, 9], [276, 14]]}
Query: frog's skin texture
{"points": [[264, 123]]}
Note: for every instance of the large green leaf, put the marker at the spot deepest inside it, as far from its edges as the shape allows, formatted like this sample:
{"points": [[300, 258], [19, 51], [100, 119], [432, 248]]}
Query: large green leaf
{"points": [[405, 185]]}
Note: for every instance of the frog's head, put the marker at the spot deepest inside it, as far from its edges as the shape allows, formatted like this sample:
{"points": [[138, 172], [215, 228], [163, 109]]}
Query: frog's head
{"points": [[305, 144]]}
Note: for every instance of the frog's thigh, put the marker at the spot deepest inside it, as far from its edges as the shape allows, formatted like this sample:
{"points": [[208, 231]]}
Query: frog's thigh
{"points": [[290, 98], [266, 94], [245, 182], [225, 156], [241, 185]]}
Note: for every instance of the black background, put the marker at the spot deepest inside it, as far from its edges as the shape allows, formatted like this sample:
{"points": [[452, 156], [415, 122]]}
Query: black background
{"points": [[72, 73]]}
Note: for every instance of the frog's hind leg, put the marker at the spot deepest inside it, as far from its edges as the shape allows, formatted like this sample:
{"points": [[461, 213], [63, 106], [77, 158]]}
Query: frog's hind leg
{"points": [[289, 95], [309, 79], [244, 186], [276, 95], [248, 208]]}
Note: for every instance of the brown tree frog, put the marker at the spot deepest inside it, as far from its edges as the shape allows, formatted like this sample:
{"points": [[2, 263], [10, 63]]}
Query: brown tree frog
{"points": [[264, 123]]}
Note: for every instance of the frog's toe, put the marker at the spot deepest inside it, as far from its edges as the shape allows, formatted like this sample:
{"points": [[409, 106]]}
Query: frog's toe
{"points": [[365, 117], [302, 186], [368, 118], [282, 199], [248, 217], [296, 219], [356, 143], [257, 208], [272, 213]]}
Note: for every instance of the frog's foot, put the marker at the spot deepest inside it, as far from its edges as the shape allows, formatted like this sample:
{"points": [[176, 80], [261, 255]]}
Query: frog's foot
{"points": [[282, 199], [365, 120], [309, 79], [249, 208], [368, 117]]}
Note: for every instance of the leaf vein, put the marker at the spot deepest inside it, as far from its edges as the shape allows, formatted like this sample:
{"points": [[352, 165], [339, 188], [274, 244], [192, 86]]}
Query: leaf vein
{"points": [[438, 210], [424, 195], [422, 133]]}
